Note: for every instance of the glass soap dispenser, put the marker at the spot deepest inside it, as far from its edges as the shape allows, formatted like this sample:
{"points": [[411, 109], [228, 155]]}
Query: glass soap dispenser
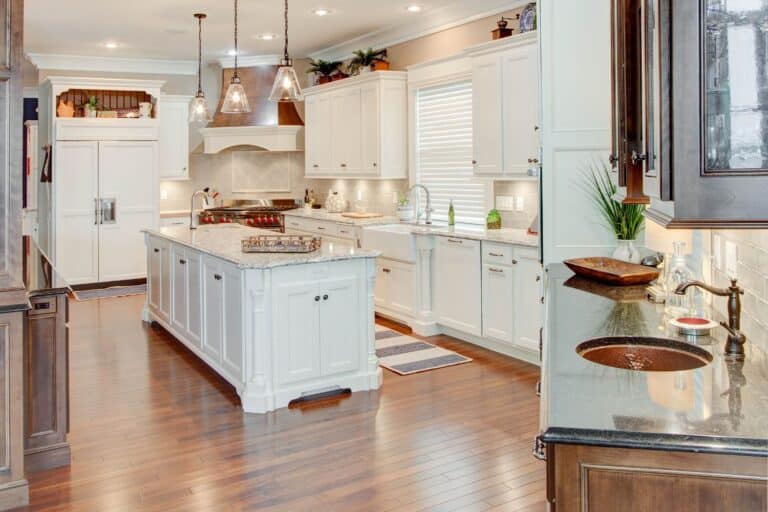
{"points": [[677, 272]]}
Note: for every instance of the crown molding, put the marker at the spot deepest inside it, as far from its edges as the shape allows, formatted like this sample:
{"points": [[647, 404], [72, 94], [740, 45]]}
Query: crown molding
{"points": [[429, 22], [112, 64], [249, 61]]}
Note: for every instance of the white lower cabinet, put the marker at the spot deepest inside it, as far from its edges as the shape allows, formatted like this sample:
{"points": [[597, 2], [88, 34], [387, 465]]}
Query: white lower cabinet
{"points": [[179, 313], [213, 305], [528, 304], [186, 286], [194, 287], [457, 285], [232, 335], [498, 302], [395, 288], [316, 340]]}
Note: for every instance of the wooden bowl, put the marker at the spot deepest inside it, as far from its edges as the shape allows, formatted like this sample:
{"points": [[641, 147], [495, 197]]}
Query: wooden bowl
{"points": [[612, 271]]}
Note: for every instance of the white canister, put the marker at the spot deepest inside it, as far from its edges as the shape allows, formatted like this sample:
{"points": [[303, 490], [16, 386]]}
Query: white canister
{"points": [[335, 203]]}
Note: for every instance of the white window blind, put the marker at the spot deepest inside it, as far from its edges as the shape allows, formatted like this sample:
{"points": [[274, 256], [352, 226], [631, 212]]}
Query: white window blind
{"points": [[444, 151]]}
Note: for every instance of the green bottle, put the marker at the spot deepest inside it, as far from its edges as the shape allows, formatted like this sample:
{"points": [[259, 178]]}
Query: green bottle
{"points": [[451, 214]]}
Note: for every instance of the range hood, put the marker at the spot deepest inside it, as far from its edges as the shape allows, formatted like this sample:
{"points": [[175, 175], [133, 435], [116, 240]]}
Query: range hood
{"points": [[270, 126]]}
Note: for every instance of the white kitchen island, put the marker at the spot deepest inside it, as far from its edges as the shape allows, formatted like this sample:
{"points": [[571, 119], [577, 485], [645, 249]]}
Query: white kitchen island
{"points": [[276, 326]]}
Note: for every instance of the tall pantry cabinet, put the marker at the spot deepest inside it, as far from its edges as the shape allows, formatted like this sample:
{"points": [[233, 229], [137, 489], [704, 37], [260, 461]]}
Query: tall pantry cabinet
{"points": [[105, 185]]}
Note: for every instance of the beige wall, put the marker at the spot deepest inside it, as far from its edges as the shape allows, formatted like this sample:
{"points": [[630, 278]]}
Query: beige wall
{"points": [[447, 42]]}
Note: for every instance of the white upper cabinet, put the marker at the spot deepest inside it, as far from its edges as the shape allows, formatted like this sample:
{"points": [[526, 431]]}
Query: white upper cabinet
{"points": [[358, 127], [173, 114], [505, 107]]}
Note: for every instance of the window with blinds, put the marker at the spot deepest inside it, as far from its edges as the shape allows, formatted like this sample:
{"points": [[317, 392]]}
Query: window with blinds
{"points": [[443, 121]]}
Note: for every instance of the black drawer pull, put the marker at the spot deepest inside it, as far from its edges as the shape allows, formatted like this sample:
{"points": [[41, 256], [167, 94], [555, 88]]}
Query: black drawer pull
{"points": [[325, 297], [317, 298], [217, 277], [42, 305], [157, 250], [496, 254], [183, 262]]}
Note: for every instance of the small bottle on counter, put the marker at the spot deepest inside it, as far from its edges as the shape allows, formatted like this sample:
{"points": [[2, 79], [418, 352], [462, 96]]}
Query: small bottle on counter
{"points": [[451, 214]]}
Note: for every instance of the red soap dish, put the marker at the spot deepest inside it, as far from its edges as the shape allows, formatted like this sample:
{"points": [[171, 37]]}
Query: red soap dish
{"points": [[693, 326]]}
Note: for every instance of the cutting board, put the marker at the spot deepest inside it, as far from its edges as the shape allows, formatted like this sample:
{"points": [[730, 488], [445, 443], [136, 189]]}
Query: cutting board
{"points": [[355, 215], [612, 271]]}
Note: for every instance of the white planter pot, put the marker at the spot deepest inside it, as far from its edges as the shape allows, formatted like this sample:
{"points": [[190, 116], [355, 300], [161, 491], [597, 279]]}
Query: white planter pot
{"points": [[627, 250]]}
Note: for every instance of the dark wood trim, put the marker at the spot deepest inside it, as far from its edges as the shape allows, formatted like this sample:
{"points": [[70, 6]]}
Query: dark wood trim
{"points": [[665, 174], [668, 222], [109, 284]]}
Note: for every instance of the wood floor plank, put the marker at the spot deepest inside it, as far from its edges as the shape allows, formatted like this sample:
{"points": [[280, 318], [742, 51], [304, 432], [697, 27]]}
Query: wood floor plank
{"points": [[153, 429]]}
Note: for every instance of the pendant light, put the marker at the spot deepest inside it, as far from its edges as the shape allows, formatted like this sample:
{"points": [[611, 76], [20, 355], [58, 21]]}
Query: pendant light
{"points": [[235, 101], [286, 87], [198, 108]]}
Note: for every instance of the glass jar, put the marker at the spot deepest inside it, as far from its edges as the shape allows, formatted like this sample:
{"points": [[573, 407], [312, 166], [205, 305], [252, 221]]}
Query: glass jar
{"points": [[677, 272]]}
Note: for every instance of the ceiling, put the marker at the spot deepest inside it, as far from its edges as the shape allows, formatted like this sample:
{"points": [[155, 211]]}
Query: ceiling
{"points": [[166, 29]]}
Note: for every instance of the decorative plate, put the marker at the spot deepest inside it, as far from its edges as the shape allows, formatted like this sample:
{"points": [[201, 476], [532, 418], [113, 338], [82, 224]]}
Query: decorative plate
{"points": [[528, 18]]}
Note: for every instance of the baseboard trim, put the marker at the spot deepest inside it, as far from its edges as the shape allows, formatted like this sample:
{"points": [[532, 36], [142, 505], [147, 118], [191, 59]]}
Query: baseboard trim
{"points": [[47, 458], [14, 494], [493, 345]]}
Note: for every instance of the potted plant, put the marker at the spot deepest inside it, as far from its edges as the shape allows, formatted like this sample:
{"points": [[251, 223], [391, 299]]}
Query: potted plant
{"points": [[324, 70], [625, 220], [89, 109], [368, 60], [404, 208]]}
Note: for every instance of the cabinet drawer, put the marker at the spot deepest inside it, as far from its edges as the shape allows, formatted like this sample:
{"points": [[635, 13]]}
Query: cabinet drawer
{"points": [[324, 228], [300, 224], [450, 241], [42, 305], [498, 254], [346, 231]]}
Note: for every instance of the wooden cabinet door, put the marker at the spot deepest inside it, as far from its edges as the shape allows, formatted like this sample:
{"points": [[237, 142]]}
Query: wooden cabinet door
{"points": [[345, 131], [179, 289], [297, 331], [528, 307], [76, 192], [213, 308], [318, 134], [232, 349], [128, 181], [487, 115], [521, 108], [369, 131], [194, 298], [340, 335], [173, 143], [457, 284], [498, 302]]}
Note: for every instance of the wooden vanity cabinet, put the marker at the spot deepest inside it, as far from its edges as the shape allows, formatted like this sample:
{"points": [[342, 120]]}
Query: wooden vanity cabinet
{"points": [[691, 110], [584, 478]]}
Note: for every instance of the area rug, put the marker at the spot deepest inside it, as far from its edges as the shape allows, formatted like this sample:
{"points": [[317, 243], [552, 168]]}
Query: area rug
{"points": [[106, 293], [406, 355]]}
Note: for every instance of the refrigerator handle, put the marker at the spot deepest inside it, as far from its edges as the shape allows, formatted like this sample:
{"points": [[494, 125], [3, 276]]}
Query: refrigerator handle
{"points": [[96, 211]]}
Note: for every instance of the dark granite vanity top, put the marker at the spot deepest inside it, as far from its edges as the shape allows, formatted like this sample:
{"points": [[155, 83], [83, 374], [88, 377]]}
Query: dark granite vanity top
{"points": [[721, 407]]}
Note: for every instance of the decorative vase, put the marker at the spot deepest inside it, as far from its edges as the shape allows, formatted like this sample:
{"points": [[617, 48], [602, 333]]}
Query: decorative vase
{"points": [[89, 112], [627, 251], [335, 203], [381, 66], [145, 110], [324, 79], [405, 213]]}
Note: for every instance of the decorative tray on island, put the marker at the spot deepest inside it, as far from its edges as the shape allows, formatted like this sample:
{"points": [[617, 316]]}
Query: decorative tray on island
{"points": [[281, 244], [612, 271]]}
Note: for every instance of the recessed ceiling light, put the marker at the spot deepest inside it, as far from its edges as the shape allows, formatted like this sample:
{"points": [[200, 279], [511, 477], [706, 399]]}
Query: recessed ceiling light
{"points": [[414, 8], [266, 37], [111, 45], [321, 12]]}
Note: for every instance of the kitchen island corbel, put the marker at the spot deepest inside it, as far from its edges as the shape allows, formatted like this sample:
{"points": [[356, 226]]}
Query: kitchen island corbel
{"points": [[276, 326]]}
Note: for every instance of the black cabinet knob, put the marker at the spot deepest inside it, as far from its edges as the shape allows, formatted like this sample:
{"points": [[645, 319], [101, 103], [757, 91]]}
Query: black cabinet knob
{"points": [[183, 262], [317, 298], [217, 277], [157, 250], [325, 297]]}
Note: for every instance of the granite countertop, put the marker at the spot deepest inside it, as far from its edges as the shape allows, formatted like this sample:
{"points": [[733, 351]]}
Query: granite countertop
{"points": [[223, 241], [169, 214], [40, 276], [323, 214], [721, 407]]}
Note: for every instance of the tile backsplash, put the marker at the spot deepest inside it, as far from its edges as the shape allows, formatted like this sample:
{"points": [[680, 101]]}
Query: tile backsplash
{"points": [[519, 191], [249, 174]]}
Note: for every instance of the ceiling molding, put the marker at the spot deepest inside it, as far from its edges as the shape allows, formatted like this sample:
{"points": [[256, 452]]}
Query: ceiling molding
{"points": [[427, 23], [249, 61], [112, 64]]}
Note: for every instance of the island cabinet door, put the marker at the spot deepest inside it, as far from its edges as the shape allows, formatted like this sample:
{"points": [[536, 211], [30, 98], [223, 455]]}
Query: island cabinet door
{"points": [[165, 280], [297, 331], [180, 292], [213, 306], [155, 274], [340, 327], [194, 298], [232, 349]]}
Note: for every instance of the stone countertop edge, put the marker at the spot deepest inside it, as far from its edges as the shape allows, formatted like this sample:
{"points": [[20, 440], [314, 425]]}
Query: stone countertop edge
{"points": [[721, 408], [12, 301], [233, 234]]}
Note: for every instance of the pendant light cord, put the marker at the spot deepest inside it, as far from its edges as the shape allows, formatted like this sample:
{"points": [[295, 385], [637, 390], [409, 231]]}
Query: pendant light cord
{"points": [[285, 48], [237, 50], [199, 54]]}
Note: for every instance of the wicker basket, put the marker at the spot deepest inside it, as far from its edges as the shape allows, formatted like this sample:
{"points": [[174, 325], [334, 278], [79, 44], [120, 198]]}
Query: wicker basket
{"points": [[281, 244]]}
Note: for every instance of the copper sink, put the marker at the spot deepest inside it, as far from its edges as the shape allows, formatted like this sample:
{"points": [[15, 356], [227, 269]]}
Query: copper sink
{"points": [[644, 354]]}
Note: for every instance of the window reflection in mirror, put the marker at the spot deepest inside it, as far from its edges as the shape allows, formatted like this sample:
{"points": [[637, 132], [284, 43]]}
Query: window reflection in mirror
{"points": [[736, 85]]}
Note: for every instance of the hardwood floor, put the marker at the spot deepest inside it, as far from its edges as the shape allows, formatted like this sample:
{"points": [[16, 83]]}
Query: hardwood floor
{"points": [[153, 429]]}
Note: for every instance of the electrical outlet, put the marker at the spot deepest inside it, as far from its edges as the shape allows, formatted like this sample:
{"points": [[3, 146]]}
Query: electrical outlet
{"points": [[163, 194], [505, 203]]}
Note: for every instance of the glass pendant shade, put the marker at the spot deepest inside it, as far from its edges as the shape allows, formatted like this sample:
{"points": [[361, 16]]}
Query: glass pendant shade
{"points": [[199, 111], [236, 101], [286, 86]]}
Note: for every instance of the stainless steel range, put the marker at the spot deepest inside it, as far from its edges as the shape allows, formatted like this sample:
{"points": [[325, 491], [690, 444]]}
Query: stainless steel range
{"points": [[260, 213]]}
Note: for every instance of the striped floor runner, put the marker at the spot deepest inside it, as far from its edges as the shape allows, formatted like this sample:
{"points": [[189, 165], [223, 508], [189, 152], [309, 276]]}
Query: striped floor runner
{"points": [[405, 355]]}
